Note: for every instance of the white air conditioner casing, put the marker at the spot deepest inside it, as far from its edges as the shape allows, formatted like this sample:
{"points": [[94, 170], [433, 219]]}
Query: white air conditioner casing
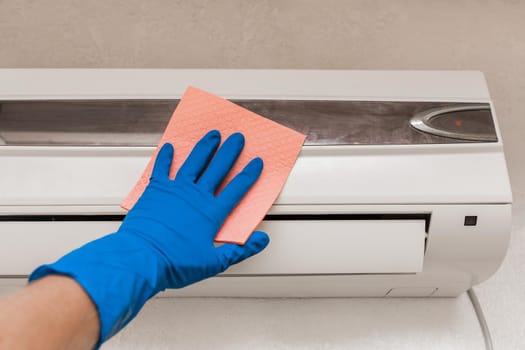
{"points": [[372, 208]]}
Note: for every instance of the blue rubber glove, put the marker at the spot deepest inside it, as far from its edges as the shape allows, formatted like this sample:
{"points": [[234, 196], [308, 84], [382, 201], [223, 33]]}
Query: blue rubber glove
{"points": [[166, 240]]}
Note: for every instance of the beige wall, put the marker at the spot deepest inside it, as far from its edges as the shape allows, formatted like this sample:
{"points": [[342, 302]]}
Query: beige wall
{"points": [[467, 34]]}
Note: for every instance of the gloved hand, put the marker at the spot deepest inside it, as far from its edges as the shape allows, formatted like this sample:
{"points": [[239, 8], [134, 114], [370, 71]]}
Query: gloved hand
{"points": [[166, 240]]}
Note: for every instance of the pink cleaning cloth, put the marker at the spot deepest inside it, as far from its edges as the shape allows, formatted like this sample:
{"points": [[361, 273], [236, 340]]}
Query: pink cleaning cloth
{"points": [[199, 112]]}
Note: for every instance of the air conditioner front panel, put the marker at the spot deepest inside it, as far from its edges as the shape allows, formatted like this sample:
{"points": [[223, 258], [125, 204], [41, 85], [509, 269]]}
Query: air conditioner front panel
{"points": [[297, 247], [339, 246]]}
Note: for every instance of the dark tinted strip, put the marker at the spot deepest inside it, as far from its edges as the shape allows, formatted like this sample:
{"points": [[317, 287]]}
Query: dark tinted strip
{"points": [[142, 122]]}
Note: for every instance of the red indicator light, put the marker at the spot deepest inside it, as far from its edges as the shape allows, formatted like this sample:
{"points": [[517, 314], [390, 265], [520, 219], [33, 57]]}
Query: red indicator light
{"points": [[458, 122]]}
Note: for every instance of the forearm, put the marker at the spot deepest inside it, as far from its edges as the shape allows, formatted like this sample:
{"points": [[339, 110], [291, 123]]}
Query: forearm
{"points": [[51, 313]]}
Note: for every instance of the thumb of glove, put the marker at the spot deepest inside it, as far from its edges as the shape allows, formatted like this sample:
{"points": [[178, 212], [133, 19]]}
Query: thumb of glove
{"points": [[231, 253]]}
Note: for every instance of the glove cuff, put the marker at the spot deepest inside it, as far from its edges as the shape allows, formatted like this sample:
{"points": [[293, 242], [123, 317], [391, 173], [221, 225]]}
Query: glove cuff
{"points": [[117, 289]]}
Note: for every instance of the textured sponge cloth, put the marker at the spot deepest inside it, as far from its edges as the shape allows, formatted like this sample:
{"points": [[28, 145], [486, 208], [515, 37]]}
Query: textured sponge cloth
{"points": [[278, 146]]}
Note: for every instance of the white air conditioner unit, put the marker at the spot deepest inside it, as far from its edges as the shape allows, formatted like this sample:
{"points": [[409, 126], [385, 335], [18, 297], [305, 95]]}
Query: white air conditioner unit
{"points": [[401, 188]]}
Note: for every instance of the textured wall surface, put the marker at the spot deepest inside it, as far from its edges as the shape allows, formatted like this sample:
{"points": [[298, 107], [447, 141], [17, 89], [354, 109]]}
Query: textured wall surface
{"points": [[486, 35]]}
